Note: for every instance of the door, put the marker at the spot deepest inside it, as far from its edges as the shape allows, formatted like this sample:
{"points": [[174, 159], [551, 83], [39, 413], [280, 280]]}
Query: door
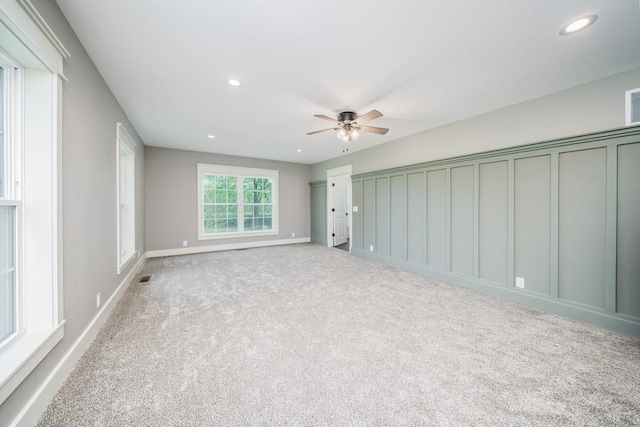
{"points": [[339, 211]]}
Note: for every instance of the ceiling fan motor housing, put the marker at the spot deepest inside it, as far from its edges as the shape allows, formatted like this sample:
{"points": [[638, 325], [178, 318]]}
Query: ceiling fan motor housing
{"points": [[347, 116]]}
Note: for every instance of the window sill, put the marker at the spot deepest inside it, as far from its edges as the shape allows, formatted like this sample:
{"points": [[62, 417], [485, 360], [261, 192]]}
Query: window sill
{"points": [[126, 260], [237, 235], [23, 355]]}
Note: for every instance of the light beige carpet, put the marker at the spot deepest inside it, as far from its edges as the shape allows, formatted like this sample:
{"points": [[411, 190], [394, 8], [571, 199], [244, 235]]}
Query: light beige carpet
{"points": [[306, 335]]}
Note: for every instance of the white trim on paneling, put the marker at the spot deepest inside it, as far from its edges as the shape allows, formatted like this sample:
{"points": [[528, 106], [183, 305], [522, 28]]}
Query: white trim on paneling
{"points": [[227, 247], [43, 396]]}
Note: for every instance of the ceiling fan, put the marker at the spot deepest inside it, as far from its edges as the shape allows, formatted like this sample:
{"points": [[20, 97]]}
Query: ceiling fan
{"points": [[349, 125]]}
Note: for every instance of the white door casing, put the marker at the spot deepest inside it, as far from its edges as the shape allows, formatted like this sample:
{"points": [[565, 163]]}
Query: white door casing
{"points": [[339, 211], [338, 221]]}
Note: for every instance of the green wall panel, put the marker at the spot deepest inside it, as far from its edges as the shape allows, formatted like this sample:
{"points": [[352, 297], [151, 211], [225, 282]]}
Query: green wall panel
{"points": [[462, 229], [582, 179], [492, 222], [582, 211], [383, 216], [369, 213], [437, 218], [356, 189], [416, 223], [319, 214], [564, 216], [628, 290], [533, 222], [398, 216]]}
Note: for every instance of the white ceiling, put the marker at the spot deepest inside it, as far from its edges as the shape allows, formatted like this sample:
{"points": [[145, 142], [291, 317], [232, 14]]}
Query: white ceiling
{"points": [[422, 63]]}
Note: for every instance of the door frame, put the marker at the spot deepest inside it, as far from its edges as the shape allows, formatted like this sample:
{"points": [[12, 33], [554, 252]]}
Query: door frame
{"points": [[332, 174]]}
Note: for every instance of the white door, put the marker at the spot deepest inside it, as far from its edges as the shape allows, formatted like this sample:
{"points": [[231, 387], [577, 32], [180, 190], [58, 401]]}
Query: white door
{"points": [[339, 211]]}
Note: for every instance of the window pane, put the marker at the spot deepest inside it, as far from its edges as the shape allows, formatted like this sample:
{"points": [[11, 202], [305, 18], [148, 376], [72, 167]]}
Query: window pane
{"points": [[221, 196], [209, 195], [221, 212], [7, 272], [2, 134], [209, 212], [210, 226], [232, 182]]}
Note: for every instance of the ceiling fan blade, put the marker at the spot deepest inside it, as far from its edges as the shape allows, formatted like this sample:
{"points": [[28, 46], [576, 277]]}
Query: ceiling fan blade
{"points": [[371, 115], [373, 129], [323, 130], [323, 117]]}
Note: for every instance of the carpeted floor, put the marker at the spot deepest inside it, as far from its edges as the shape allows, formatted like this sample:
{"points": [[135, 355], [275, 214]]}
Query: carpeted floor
{"points": [[307, 335]]}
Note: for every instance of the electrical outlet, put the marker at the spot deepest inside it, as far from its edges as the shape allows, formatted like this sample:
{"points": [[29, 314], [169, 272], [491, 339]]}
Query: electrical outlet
{"points": [[371, 248], [185, 243], [520, 282], [98, 299], [293, 234], [355, 209]]}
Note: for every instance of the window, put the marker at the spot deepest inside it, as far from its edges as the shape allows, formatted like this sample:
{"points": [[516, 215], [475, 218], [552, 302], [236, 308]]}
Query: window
{"points": [[235, 201], [9, 201], [31, 76], [126, 197]]}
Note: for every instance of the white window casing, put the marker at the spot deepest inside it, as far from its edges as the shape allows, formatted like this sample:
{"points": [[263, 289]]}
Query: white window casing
{"points": [[240, 173], [34, 179], [126, 199]]}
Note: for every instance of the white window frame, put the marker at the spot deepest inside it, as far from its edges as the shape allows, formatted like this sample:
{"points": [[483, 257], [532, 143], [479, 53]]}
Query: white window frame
{"points": [[240, 173], [125, 197], [12, 109], [29, 43]]}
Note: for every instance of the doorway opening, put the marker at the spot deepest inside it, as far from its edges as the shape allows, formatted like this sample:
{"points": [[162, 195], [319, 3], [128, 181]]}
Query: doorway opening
{"points": [[339, 227]]}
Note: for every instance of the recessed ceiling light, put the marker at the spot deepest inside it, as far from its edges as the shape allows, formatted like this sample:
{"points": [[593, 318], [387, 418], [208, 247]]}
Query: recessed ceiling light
{"points": [[211, 136], [234, 82], [578, 24], [299, 150]]}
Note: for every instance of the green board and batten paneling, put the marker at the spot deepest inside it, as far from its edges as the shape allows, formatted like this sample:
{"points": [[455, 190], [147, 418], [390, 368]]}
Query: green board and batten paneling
{"points": [[563, 215], [318, 199]]}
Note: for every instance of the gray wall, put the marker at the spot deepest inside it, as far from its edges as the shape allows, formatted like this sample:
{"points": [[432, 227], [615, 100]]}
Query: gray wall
{"points": [[90, 113], [562, 215], [172, 203], [584, 109]]}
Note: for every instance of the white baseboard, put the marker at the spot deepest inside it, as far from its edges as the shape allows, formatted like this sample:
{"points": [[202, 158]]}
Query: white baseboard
{"points": [[229, 246], [41, 399]]}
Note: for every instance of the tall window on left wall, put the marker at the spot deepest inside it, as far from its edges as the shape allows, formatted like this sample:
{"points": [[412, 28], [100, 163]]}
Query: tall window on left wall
{"points": [[126, 162], [31, 88], [9, 199]]}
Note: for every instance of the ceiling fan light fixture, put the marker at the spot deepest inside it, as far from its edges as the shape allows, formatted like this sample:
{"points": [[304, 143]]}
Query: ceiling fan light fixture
{"points": [[347, 135]]}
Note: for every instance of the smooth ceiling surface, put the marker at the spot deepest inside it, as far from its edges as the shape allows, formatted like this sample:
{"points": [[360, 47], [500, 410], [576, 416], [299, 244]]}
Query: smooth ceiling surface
{"points": [[421, 63]]}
